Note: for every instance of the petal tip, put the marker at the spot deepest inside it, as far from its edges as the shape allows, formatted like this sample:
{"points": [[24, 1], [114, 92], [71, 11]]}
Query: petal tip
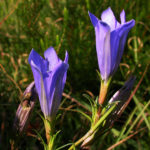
{"points": [[107, 11], [93, 18], [51, 55], [123, 16], [108, 17], [66, 57], [133, 22], [31, 55], [51, 48]]}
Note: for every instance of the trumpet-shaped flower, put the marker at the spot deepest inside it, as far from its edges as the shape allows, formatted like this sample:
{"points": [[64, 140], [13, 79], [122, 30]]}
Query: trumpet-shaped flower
{"points": [[110, 40], [50, 77]]}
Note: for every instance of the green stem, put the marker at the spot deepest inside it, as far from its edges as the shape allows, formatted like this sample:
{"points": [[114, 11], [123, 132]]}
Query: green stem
{"points": [[126, 124], [49, 131], [135, 51], [140, 108], [136, 120], [92, 130]]}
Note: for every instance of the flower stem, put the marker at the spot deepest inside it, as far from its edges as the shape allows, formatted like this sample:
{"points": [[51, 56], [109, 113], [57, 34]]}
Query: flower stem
{"points": [[94, 128], [49, 128], [103, 91]]}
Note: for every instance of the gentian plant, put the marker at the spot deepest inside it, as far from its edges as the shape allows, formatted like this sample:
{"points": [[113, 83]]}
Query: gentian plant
{"points": [[50, 77], [110, 41]]}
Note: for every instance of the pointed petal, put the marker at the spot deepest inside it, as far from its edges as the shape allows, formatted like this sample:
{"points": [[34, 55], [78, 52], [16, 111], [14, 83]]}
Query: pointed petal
{"points": [[39, 66], [115, 40], [102, 32], [94, 19], [123, 33], [118, 40], [66, 58], [65, 74], [39, 62], [108, 17], [51, 87], [106, 67], [39, 84], [52, 57], [123, 17], [49, 83], [59, 87]]}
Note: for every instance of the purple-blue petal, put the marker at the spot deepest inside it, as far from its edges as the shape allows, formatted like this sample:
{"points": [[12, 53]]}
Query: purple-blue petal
{"points": [[38, 61], [123, 17], [108, 17], [66, 57], [52, 57], [94, 19], [102, 31], [39, 68], [52, 89], [118, 39], [65, 74], [59, 87], [110, 40], [39, 84], [49, 80]]}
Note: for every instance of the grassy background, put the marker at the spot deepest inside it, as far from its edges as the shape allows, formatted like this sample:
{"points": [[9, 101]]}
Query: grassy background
{"points": [[65, 25]]}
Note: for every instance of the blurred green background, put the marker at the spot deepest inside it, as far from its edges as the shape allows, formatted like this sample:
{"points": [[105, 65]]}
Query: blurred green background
{"points": [[65, 25]]}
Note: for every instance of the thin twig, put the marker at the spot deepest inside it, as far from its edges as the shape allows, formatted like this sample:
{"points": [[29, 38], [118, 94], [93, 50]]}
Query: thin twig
{"points": [[136, 88], [142, 119], [125, 139], [74, 100], [68, 108]]}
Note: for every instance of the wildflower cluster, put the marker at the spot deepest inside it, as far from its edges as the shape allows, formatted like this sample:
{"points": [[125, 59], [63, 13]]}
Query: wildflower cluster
{"points": [[50, 76]]}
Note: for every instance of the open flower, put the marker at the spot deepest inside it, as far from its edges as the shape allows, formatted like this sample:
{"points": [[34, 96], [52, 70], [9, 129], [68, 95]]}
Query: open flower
{"points": [[110, 40], [50, 77]]}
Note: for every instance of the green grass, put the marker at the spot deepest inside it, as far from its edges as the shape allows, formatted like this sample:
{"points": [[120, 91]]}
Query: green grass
{"points": [[65, 25]]}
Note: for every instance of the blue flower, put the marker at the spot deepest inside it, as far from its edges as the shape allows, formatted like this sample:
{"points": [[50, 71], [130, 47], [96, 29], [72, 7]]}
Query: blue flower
{"points": [[50, 77], [110, 40]]}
